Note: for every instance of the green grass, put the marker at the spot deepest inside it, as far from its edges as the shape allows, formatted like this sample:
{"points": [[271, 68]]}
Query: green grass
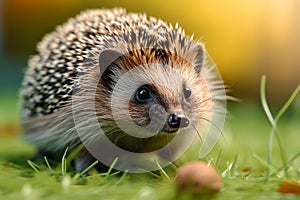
{"points": [[252, 166]]}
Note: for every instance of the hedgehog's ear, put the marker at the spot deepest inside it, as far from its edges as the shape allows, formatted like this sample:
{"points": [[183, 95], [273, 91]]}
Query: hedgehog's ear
{"points": [[107, 58], [107, 66], [199, 59]]}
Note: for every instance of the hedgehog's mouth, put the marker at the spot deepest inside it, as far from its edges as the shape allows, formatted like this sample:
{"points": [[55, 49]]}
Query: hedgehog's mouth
{"points": [[169, 130]]}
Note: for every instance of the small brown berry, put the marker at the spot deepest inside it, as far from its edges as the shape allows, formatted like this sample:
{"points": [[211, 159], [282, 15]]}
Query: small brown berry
{"points": [[198, 178]]}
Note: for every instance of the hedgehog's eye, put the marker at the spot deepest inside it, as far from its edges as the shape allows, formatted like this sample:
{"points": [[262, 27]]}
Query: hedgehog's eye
{"points": [[187, 92], [143, 94]]}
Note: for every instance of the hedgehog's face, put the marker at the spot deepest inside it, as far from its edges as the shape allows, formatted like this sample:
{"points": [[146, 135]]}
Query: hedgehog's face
{"points": [[156, 99], [172, 99]]}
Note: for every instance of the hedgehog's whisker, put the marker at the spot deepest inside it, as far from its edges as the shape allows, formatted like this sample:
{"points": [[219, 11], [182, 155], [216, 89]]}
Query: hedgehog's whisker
{"points": [[210, 111], [199, 135], [204, 100], [215, 125]]}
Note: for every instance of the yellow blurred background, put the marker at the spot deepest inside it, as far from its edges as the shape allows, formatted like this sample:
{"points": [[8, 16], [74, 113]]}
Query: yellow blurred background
{"points": [[246, 38]]}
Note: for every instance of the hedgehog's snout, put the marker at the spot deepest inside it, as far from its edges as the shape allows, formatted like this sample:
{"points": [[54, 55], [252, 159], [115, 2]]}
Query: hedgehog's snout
{"points": [[176, 121]]}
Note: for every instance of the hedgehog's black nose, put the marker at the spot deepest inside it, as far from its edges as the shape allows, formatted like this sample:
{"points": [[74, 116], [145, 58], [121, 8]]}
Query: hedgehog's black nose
{"points": [[178, 121]]}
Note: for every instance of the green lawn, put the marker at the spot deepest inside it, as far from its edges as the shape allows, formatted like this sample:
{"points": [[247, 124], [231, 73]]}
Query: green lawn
{"points": [[239, 157]]}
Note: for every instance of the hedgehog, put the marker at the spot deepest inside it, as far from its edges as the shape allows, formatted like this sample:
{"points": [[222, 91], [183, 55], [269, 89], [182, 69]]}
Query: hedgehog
{"points": [[108, 79]]}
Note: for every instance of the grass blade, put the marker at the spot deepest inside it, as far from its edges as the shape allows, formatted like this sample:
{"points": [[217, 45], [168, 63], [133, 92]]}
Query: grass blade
{"points": [[48, 165], [111, 167], [64, 162], [34, 166], [287, 103], [233, 165], [264, 163], [277, 117], [285, 165], [88, 168], [271, 120], [274, 130], [162, 171], [264, 101]]}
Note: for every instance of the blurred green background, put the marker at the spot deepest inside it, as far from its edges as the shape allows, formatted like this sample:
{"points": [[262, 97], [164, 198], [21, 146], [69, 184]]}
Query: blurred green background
{"points": [[246, 39]]}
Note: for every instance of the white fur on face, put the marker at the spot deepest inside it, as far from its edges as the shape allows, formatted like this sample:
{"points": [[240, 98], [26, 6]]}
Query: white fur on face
{"points": [[168, 83]]}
